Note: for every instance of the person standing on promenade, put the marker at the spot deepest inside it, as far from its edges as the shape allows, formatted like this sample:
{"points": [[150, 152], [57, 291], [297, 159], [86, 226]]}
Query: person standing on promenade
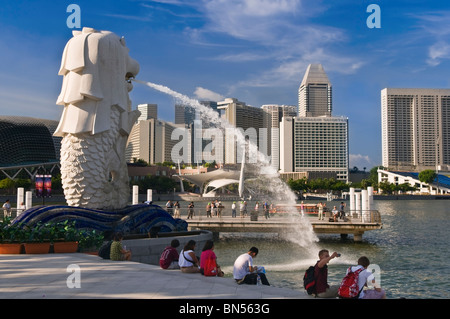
{"points": [[220, 208], [214, 208], [169, 207], [320, 214], [190, 210], [302, 208], [323, 289], [233, 209], [177, 210], [241, 209], [341, 211], [266, 210], [7, 209], [208, 210]]}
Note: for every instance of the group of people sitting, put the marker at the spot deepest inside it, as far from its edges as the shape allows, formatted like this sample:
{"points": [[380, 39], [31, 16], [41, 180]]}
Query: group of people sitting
{"points": [[188, 262], [244, 272]]}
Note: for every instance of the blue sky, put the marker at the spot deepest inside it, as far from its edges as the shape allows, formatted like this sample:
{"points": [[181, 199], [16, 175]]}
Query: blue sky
{"points": [[253, 50]]}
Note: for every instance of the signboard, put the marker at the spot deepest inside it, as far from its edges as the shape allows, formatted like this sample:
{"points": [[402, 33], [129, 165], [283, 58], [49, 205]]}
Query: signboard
{"points": [[43, 185]]}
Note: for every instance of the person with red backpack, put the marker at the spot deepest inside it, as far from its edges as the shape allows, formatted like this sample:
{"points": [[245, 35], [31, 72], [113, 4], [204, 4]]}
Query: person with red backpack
{"points": [[208, 261], [352, 286]]}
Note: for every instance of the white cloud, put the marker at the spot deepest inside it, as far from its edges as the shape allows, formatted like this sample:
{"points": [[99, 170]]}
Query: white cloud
{"points": [[283, 34], [360, 161], [207, 95], [437, 52], [434, 28]]}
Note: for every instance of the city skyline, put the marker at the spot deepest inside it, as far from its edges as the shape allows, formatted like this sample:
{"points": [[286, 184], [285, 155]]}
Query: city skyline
{"points": [[255, 51]]}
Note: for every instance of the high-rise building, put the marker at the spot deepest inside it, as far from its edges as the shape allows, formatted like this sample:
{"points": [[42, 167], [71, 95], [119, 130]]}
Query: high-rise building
{"points": [[287, 144], [315, 142], [151, 140], [248, 118], [321, 146], [148, 111], [415, 129], [314, 93], [187, 114], [184, 114], [275, 114]]}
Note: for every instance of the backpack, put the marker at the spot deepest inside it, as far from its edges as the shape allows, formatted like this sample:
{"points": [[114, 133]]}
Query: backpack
{"points": [[210, 267], [349, 286], [105, 250], [309, 281]]}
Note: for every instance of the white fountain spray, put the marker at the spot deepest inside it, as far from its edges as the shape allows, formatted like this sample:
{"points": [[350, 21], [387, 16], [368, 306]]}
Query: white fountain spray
{"points": [[267, 175]]}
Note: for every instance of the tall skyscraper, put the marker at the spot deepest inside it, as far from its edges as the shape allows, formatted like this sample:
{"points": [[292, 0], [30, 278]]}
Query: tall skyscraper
{"points": [[415, 129], [314, 93], [319, 141]]}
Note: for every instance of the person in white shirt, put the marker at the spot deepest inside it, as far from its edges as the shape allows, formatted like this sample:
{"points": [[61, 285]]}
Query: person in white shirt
{"points": [[233, 209], [365, 277], [244, 272], [187, 260]]}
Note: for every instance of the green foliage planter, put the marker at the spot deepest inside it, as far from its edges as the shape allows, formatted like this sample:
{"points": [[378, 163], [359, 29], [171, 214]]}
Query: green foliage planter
{"points": [[10, 237], [63, 236]]}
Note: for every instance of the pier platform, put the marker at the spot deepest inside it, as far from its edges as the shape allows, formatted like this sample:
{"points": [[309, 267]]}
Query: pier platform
{"points": [[284, 224]]}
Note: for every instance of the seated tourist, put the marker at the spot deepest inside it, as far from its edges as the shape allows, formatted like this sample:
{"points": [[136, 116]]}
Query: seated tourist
{"points": [[117, 252], [169, 257]]}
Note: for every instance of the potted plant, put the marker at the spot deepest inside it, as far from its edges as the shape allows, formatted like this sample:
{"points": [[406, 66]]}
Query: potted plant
{"points": [[90, 241], [38, 238], [10, 237], [66, 237]]}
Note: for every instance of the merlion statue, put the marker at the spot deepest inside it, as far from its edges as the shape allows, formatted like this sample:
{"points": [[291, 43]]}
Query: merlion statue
{"points": [[96, 119]]}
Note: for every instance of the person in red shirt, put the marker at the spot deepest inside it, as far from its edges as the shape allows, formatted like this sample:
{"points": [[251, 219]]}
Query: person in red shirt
{"points": [[209, 255], [170, 255], [323, 290]]}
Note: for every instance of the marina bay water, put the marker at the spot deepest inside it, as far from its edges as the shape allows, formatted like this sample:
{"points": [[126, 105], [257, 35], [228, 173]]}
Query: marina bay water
{"points": [[411, 250]]}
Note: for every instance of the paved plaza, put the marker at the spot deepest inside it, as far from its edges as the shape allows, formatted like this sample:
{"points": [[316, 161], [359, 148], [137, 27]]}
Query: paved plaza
{"points": [[55, 276]]}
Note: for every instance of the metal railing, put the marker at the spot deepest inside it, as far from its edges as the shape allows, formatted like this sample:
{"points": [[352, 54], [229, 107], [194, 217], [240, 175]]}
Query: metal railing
{"points": [[364, 216]]}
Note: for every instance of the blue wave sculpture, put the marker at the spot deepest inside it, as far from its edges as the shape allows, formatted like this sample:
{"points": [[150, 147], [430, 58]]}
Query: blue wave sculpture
{"points": [[135, 219]]}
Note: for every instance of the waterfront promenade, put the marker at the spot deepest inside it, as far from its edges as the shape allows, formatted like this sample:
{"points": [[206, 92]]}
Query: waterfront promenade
{"points": [[45, 277]]}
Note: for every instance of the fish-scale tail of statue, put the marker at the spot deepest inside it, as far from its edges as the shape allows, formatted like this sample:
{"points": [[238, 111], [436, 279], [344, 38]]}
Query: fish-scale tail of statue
{"points": [[92, 172]]}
